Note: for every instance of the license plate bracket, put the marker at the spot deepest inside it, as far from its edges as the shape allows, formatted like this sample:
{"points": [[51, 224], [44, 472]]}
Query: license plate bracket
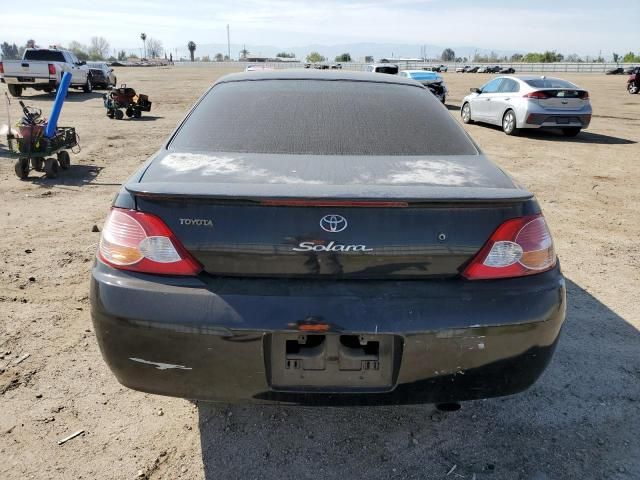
{"points": [[301, 362], [562, 120]]}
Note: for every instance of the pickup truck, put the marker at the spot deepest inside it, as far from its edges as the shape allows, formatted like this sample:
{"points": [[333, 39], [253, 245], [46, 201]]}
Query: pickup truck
{"points": [[42, 69]]}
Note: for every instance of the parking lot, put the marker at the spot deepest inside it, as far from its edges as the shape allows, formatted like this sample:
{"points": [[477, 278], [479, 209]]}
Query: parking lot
{"points": [[581, 420]]}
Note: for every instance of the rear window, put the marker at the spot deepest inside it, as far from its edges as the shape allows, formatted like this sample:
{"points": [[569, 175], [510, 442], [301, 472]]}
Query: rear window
{"points": [[318, 117], [549, 83], [44, 55]]}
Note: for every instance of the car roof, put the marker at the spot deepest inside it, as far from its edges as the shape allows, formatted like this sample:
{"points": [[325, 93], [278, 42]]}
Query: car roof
{"points": [[306, 74]]}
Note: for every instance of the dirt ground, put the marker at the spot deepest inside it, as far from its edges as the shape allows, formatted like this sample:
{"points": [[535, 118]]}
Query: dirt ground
{"points": [[581, 420]]}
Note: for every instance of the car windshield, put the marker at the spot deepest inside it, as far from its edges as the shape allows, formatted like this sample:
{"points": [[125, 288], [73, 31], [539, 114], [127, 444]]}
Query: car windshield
{"points": [[44, 55], [318, 117], [549, 83], [425, 76]]}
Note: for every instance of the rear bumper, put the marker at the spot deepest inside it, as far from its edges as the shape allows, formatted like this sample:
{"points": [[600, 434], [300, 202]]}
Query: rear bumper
{"points": [[541, 118], [557, 121], [212, 339], [38, 83]]}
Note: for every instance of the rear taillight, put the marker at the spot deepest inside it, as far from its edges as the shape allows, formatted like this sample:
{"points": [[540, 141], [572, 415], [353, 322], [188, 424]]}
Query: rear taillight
{"points": [[540, 95], [520, 246], [52, 69], [1, 68], [583, 94], [142, 242]]}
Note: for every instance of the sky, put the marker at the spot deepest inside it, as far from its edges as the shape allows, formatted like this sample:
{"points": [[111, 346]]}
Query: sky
{"points": [[586, 27]]}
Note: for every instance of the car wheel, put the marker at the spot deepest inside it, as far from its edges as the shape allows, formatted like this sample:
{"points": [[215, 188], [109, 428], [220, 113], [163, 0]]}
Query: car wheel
{"points": [[509, 123], [632, 88], [15, 90], [571, 131], [465, 113], [88, 86]]}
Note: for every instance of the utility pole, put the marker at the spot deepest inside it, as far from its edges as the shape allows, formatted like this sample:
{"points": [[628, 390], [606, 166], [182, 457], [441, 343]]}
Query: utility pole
{"points": [[228, 43]]}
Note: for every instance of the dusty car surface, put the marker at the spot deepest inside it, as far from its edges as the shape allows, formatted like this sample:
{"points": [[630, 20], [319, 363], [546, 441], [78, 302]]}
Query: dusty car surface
{"points": [[529, 101], [320, 238]]}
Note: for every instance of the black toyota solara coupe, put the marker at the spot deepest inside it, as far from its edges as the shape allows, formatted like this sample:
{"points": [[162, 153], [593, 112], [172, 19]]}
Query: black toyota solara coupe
{"points": [[325, 237]]}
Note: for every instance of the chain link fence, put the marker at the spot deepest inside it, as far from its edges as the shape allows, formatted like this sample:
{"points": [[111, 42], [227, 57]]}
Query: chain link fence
{"points": [[561, 67]]}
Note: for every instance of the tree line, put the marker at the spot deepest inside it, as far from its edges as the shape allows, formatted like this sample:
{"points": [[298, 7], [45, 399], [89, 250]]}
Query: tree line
{"points": [[97, 49], [549, 56]]}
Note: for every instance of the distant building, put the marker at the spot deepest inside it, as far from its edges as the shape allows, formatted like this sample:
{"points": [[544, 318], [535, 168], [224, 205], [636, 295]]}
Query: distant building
{"points": [[257, 59], [401, 60]]}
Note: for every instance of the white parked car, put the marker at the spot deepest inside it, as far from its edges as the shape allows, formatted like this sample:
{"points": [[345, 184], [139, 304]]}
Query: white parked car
{"points": [[388, 68], [42, 68], [528, 101], [257, 68]]}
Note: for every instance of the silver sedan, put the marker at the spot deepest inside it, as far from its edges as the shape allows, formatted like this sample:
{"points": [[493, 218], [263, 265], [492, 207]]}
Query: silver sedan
{"points": [[527, 101]]}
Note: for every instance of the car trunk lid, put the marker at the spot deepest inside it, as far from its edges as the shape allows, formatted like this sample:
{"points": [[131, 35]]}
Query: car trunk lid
{"points": [[563, 99], [360, 217]]}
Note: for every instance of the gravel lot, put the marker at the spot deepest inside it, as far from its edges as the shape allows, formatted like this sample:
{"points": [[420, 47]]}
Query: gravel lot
{"points": [[581, 420]]}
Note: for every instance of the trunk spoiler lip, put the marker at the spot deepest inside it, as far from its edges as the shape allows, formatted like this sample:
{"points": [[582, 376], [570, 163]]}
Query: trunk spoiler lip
{"points": [[356, 193]]}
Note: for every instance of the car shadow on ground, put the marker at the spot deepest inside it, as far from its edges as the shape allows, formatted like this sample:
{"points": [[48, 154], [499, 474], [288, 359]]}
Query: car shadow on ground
{"points": [[455, 108], [579, 421], [583, 137], [552, 135]]}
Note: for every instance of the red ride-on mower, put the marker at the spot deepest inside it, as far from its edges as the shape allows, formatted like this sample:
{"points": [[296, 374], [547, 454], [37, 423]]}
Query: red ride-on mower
{"points": [[125, 98]]}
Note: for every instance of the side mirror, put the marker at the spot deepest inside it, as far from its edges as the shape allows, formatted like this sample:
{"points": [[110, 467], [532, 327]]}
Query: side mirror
{"points": [[475, 90], [81, 62]]}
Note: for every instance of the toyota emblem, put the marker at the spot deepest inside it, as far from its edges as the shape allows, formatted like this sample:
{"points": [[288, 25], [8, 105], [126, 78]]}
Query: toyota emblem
{"points": [[333, 223]]}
